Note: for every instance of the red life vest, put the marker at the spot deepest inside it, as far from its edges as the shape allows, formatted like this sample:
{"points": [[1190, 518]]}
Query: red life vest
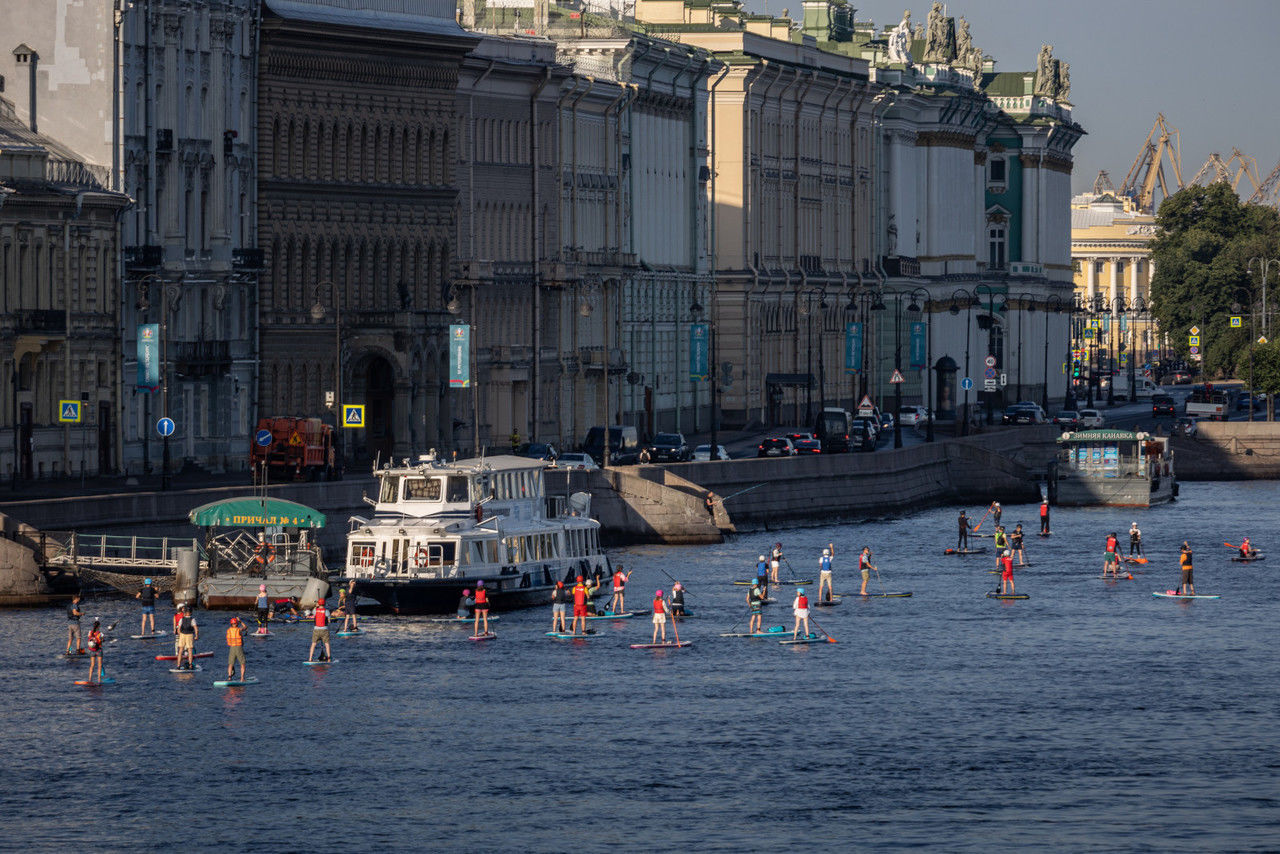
{"points": [[619, 580], [1111, 544], [659, 607], [1044, 510], [579, 594], [322, 618], [802, 602], [482, 596]]}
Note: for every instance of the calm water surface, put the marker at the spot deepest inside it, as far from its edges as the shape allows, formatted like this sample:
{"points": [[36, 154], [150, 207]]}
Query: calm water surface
{"points": [[1091, 717]]}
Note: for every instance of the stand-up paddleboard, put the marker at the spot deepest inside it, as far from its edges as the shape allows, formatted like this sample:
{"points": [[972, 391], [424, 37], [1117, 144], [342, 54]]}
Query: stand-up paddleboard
{"points": [[106, 680], [828, 603], [79, 654], [793, 581], [175, 658], [667, 645], [1126, 577], [609, 615], [1044, 534], [746, 582], [235, 683], [186, 670], [1239, 559], [259, 634], [812, 637], [1169, 594], [572, 636], [982, 550], [456, 620], [899, 594], [350, 634], [483, 637], [771, 632], [975, 534], [1008, 596], [148, 636], [320, 663], [1137, 560]]}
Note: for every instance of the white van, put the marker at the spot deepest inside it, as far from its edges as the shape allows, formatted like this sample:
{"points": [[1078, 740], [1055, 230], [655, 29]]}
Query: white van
{"points": [[1144, 388]]}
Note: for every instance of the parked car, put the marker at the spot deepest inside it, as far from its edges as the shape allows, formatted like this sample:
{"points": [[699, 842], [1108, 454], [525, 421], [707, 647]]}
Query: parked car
{"points": [[807, 446], [537, 451], [914, 415], [576, 460], [1090, 419], [668, 448], [777, 446], [1162, 404], [702, 453], [1185, 426], [1067, 418]]}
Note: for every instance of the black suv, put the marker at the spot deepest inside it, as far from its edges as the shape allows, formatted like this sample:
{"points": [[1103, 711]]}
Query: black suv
{"points": [[1162, 404], [669, 448]]}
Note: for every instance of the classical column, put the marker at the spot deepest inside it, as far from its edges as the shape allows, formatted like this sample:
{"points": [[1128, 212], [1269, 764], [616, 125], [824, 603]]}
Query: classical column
{"points": [[1091, 278], [1115, 283], [1133, 279], [1030, 201]]}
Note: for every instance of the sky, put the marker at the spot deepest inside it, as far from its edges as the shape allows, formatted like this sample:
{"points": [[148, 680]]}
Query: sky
{"points": [[1208, 67]]}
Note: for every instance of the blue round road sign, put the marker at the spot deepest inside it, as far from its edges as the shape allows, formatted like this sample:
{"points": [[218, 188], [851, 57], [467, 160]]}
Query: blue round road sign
{"points": [[263, 438], [966, 383], [165, 426]]}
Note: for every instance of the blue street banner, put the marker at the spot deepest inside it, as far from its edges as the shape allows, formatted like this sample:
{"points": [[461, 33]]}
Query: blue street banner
{"points": [[918, 355], [699, 351], [852, 348], [459, 355], [148, 356]]}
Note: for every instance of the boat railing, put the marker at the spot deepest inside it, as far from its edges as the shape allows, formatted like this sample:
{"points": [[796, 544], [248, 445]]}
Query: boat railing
{"points": [[80, 549]]}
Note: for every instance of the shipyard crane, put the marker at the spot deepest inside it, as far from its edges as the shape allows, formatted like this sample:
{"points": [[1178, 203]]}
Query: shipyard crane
{"points": [[1148, 169], [1102, 184], [1268, 192], [1216, 170]]}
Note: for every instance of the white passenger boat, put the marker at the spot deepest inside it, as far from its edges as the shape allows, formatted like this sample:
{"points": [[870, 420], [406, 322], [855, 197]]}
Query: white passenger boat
{"points": [[439, 527]]}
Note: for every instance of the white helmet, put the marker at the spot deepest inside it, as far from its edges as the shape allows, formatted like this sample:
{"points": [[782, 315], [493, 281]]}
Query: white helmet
{"points": [[761, 557]]}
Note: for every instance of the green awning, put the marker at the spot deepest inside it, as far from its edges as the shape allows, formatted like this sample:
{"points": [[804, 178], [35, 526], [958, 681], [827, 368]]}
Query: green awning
{"points": [[1099, 436], [255, 513]]}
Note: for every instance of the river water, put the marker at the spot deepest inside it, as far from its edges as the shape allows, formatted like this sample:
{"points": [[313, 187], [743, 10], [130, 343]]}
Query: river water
{"points": [[1090, 717]]}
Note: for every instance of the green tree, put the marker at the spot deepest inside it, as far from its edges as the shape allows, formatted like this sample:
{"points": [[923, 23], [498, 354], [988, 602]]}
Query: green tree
{"points": [[1204, 240], [1266, 373]]}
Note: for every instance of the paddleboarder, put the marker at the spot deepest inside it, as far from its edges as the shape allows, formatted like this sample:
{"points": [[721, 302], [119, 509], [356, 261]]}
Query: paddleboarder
{"points": [[264, 609], [660, 611], [677, 600], [95, 649], [320, 633], [800, 607], [1001, 541], [188, 634], [618, 605], [1044, 516], [762, 575], [995, 513], [579, 607], [74, 643], [1184, 561], [559, 601], [235, 647], [464, 605], [350, 622], [962, 541], [775, 562], [1015, 544], [147, 595], [1135, 540], [824, 575], [482, 608], [1111, 559], [1006, 576], [755, 603], [865, 567]]}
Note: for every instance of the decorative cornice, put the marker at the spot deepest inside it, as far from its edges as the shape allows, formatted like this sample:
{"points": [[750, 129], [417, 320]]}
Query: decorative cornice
{"points": [[945, 139], [1057, 164], [295, 65]]}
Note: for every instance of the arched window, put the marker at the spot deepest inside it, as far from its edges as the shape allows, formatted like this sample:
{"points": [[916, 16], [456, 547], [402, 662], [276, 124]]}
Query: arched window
{"points": [[276, 159], [361, 167], [444, 159], [286, 164], [428, 155]]}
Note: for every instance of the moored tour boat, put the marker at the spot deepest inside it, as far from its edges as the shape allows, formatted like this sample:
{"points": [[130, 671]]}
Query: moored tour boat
{"points": [[1112, 467]]}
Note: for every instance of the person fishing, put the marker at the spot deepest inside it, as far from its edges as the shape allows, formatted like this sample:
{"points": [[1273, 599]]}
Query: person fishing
{"points": [[1186, 584], [263, 608], [755, 604], [677, 600], [559, 600], [1015, 544], [320, 632], [235, 647], [865, 567], [147, 595], [618, 605], [95, 649], [762, 575], [482, 608], [660, 611], [800, 608], [465, 604], [188, 634], [824, 575], [1006, 575], [1246, 549], [962, 541], [1044, 516], [1135, 540], [74, 643]]}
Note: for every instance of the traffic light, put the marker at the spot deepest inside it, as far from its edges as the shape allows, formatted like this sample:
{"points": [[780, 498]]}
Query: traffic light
{"points": [[1075, 369]]}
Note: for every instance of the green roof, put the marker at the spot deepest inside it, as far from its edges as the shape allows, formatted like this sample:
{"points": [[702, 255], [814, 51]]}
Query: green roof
{"points": [[1005, 84], [255, 513]]}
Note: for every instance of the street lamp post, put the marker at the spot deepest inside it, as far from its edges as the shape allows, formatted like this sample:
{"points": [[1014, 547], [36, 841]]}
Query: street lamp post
{"points": [[317, 313], [955, 311], [1026, 304], [990, 291], [915, 308], [1115, 308], [879, 305], [1054, 303], [696, 311], [1264, 266], [170, 297]]}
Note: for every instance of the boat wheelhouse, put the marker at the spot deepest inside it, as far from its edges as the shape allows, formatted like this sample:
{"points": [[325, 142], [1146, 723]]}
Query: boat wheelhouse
{"points": [[1112, 467], [439, 527]]}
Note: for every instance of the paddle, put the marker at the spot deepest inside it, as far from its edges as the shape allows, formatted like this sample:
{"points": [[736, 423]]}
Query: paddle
{"points": [[740, 619], [830, 639], [675, 627], [983, 519], [789, 569], [674, 580], [879, 583]]}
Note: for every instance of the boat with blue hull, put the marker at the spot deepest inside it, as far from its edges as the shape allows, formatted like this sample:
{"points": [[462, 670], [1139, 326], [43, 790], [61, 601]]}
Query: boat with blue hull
{"points": [[438, 528]]}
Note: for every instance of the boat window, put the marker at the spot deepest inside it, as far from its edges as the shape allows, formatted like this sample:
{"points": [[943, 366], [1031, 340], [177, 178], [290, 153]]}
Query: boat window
{"points": [[390, 489], [480, 488], [457, 491], [361, 555], [422, 489]]}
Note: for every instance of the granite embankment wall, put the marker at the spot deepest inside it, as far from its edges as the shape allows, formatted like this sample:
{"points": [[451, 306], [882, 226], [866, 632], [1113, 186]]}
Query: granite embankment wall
{"points": [[1229, 450]]}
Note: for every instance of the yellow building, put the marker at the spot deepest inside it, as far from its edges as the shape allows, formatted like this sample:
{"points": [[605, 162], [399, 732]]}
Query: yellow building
{"points": [[1110, 252]]}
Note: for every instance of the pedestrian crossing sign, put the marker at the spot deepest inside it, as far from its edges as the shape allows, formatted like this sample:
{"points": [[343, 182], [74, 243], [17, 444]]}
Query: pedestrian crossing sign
{"points": [[897, 377], [1236, 321], [69, 411], [353, 415]]}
